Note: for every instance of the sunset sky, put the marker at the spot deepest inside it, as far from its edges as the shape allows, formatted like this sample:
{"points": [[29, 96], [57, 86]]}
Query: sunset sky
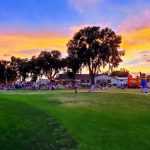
{"points": [[29, 26]]}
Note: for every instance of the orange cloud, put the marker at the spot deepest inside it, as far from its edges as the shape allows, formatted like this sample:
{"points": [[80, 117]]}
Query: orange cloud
{"points": [[138, 40], [23, 44], [136, 32], [137, 47]]}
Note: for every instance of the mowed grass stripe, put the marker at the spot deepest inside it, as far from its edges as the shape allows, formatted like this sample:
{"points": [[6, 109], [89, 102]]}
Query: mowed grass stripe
{"points": [[25, 127]]}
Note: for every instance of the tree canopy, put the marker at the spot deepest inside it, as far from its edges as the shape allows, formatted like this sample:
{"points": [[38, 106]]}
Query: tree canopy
{"points": [[73, 66], [120, 73], [50, 63], [6, 72], [95, 47], [47, 63]]}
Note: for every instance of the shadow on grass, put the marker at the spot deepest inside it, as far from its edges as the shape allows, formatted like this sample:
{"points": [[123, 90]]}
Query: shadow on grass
{"points": [[23, 127]]}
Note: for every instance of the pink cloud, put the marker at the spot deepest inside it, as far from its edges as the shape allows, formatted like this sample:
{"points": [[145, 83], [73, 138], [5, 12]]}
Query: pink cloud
{"points": [[135, 22], [44, 33], [76, 28]]}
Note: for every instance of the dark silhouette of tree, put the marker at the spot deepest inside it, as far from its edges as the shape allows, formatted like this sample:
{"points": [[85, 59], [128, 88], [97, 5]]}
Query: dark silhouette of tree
{"points": [[50, 63], [73, 66], [120, 73], [21, 66], [35, 67], [96, 48], [7, 74]]}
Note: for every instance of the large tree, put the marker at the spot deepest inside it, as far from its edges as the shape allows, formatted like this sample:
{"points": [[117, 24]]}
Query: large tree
{"points": [[73, 66], [95, 48], [21, 66], [50, 63], [35, 66], [7, 74]]}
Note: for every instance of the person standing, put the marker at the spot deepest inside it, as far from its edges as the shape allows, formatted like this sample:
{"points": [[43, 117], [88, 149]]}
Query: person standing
{"points": [[146, 90], [91, 88], [76, 88]]}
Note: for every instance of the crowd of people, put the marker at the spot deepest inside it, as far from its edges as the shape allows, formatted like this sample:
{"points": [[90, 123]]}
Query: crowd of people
{"points": [[41, 86], [28, 86], [57, 86]]}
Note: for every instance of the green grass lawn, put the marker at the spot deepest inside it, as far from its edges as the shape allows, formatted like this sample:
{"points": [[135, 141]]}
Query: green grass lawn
{"points": [[61, 120]]}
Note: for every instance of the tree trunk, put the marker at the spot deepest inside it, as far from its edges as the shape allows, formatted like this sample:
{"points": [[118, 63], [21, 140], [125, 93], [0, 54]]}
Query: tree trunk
{"points": [[92, 79]]}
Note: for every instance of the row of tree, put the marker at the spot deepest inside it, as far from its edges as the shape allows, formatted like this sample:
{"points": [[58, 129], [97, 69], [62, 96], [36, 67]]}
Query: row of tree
{"points": [[46, 63], [93, 48]]}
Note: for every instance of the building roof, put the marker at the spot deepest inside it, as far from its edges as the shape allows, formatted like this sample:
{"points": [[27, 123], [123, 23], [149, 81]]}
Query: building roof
{"points": [[78, 77], [122, 78], [81, 77], [106, 75]]}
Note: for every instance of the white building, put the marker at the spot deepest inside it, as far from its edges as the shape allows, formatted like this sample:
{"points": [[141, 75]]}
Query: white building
{"points": [[107, 79], [99, 78]]}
